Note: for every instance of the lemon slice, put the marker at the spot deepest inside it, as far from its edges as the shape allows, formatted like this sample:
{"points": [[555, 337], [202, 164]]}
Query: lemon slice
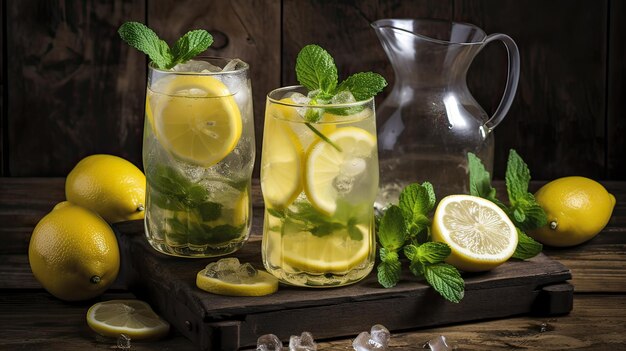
{"points": [[479, 233], [335, 253], [324, 164], [281, 163], [134, 318], [199, 121], [261, 284]]}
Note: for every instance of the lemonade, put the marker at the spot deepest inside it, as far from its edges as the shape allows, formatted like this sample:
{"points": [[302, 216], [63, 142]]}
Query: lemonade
{"points": [[198, 154], [319, 182]]}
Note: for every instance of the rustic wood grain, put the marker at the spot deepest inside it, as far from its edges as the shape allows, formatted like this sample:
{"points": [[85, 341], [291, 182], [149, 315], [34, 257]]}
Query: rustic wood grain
{"points": [[616, 75], [557, 120], [245, 29], [75, 89]]}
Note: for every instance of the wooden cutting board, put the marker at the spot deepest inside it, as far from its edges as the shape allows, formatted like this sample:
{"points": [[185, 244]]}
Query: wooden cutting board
{"points": [[214, 322]]}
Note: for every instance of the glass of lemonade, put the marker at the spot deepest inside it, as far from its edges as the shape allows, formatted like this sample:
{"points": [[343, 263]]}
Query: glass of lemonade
{"points": [[319, 183], [198, 154]]}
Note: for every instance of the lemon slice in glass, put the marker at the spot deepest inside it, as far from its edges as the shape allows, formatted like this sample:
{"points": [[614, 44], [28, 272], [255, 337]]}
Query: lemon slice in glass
{"points": [[261, 284], [134, 318], [479, 233], [281, 163], [198, 121], [334, 253], [324, 164]]}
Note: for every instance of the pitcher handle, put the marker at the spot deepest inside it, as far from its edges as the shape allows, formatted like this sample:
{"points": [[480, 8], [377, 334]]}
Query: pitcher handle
{"points": [[511, 81]]}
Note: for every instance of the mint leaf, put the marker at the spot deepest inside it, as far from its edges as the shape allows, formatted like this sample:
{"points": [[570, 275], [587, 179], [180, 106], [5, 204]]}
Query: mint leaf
{"points": [[363, 85], [417, 268], [392, 231], [411, 252], [190, 45], [446, 280], [480, 181], [527, 247], [416, 202], [517, 177], [388, 270], [430, 190], [433, 252], [145, 40], [210, 211], [315, 69]]}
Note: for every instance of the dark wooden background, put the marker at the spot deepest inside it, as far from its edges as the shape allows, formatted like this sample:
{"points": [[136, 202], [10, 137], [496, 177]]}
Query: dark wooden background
{"points": [[71, 87]]}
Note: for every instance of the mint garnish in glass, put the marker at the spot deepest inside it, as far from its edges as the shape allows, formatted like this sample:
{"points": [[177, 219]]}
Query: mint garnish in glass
{"points": [[316, 71], [162, 56]]}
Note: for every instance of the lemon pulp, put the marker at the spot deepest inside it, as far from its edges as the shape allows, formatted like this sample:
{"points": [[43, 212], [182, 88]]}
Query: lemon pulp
{"points": [[196, 119], [134, 318], [324, 164], [261, 284], [480, 235]]}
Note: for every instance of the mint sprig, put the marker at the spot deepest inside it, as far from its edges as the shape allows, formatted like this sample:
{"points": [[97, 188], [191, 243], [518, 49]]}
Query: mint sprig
{"points": [[524, 211], [405, 229], [316, 71], [147, 41]]}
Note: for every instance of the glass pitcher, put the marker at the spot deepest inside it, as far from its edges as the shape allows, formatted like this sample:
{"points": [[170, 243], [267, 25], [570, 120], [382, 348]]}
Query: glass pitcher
{"points": [[430, 121]]}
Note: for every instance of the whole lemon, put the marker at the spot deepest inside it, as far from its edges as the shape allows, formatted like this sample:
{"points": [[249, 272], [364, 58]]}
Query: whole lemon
{"points": [[577, 208], [108, 185], [73, 253]]}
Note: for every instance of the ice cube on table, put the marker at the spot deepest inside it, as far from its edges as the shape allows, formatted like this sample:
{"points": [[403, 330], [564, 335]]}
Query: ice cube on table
{"points": [[269, 342], [304, 342], [439, 344], [123, 342], [196, 66], [376, 340], [229, 263]]}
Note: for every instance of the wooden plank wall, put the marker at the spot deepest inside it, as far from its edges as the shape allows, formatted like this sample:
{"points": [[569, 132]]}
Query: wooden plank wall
{"points": [[70, 87]]}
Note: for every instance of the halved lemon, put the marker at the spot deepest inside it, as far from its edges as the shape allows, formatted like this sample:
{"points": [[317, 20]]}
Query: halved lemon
{"points": [[134, 318], [281, 161], [261, 284], [334, 253], [324, 164], [479, 233], [198, 120]]}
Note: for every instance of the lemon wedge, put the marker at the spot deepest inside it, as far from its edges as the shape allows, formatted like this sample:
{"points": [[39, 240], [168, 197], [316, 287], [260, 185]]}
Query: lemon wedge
{"points": [[261, 284], [198, 121], [335, 253], [324, 164], [281, 161], [134, 318], [480, 235]]}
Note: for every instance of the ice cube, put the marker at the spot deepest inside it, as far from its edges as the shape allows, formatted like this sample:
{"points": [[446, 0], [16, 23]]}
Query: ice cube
{"points": [[246, 271], [304, 342], [379, 335], [269, 342], [228, 264], [343, 97], [229, 276], [232, 65], [196, 66], [211, 270], [298, 98], [123, 342], [376, 340], [439, 344]]}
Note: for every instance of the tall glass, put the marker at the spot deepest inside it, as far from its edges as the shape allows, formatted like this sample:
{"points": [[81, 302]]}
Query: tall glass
{"points": [[319, 183], [198, 154]]}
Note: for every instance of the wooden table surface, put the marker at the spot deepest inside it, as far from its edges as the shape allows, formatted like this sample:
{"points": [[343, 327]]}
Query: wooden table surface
{"points": [[31, 319]]}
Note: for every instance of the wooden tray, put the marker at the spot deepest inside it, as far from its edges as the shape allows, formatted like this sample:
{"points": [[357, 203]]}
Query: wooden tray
{"points": [[216, 322]]}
